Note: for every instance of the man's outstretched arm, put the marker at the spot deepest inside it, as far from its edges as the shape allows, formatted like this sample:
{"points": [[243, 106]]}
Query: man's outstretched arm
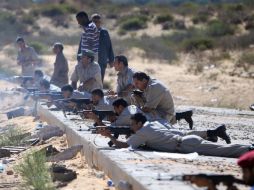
{"points": [[116, 142]]}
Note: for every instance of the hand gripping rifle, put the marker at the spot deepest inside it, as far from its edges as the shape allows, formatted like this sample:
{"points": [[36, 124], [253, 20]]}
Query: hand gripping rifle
{"points": [[123, 130]]}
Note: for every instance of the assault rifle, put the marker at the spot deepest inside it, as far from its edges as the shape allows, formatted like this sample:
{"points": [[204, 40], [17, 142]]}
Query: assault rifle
{"points": [[80, 102], [113, 130], [24, 78], [52, 95], [137, 92], [32, 89], [209, 180], [100, 113]]}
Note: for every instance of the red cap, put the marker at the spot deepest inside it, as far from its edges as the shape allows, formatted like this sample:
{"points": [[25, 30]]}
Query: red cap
{"points": [[246, 160]]}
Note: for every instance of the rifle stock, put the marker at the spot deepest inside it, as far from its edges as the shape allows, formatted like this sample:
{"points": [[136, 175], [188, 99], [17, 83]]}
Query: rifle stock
{"points": [[114, 130], [100, 113], [227, 180]]}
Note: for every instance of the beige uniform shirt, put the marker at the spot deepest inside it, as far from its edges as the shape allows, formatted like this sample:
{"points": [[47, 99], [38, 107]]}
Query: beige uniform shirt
{"points": [[124, 78], [156, 136], [83, 74], [158, 97], [28, 58], [60, 74]]}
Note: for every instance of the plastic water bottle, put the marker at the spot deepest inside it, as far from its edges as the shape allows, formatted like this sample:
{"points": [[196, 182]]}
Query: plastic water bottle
{"points": [[110, 183], [1, 168]]}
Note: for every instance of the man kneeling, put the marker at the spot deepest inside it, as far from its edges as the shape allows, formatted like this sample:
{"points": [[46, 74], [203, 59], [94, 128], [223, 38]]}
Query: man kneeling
{"points": [[156, 136]]}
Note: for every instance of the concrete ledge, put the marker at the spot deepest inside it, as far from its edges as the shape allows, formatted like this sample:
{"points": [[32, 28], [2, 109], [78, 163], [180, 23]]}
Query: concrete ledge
{"points": [[141, 168], [118, 165]]}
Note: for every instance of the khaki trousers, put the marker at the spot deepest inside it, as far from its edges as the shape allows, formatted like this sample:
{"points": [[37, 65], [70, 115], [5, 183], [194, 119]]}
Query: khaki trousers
{"points": [[193, 143]]}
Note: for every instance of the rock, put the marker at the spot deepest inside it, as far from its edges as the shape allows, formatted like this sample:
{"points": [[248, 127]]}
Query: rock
{"points": [[9, 172], [66, 154], [4, 153], [49, 131], [17, 112]]}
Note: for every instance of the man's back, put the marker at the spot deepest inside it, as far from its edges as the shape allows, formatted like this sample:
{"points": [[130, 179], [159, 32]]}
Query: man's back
{"points": [[156, 136], [158, 97], [105, 53]]}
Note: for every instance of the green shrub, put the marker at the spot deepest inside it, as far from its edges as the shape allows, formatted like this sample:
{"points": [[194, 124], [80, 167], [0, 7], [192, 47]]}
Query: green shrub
{"points": [[247, 58], [39, 47], [34, 172], [198, 43], [200, 18], [53, 10], [28, 19], [188, 8], [163, 18], [6, 17], [133, 22], [236, 42], [11, 137], [218, 28]]}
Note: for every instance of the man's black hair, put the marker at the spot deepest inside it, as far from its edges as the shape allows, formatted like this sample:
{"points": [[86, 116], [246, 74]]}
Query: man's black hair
{"points": [[67, 88], [141, 76], [139, 117], [120, 102], [123, 59], [39, 73], [98, 92], [20, 39], [45, 83], [82, 14]]}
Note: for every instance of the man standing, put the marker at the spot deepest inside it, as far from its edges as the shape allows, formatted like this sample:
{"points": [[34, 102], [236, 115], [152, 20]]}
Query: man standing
{"points": [[105, 52], [87, 72], [27, 57], [60, 74], [90, 36], [157, 137]]}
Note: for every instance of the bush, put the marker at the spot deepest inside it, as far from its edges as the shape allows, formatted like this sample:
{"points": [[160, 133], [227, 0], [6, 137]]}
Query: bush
{"points": [[200, 18], [39, 47], [236, 42], [11, 137], [53, 10], [27, 19], [35, 172], [163, 18], [198, 43], [6, 17], [218, 28], [133, 23], [247, 58], [249, 25], [188, 8]]}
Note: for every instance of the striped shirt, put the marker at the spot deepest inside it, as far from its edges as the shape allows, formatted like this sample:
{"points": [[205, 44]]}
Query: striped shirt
{"points": [[90, 38]]}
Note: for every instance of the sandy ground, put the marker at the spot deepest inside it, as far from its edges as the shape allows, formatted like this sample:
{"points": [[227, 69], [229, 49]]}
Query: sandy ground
{"points": [[87, 178]]}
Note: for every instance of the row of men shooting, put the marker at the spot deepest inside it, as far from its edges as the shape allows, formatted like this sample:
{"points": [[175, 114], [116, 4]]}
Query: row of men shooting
{"points": [[148, 128]]}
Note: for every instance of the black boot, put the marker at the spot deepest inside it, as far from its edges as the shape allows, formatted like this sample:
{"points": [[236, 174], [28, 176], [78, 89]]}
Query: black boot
{"points": [[186, 116], [220, 132], [211, 136], [251, 148]]}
